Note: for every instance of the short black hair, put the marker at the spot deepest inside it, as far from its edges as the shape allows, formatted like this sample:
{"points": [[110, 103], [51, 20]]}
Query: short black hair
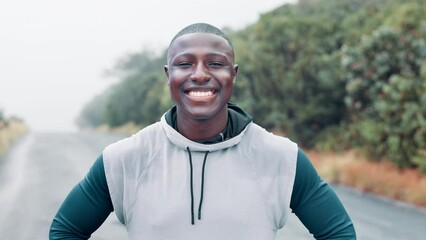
{"points": [[202, 28]]}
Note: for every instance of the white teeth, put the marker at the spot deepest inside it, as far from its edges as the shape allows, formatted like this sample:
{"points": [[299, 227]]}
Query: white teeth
{"points": [[200, 94]]}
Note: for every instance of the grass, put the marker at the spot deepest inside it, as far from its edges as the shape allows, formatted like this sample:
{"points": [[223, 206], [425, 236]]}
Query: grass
{"points": [[10, 131], [352, 169]]}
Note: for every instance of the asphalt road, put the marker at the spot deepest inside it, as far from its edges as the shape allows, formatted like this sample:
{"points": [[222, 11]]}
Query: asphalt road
{"points": [[40, 169]]}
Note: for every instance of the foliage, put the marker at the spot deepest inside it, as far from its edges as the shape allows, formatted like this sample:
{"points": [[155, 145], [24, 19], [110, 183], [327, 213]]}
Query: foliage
{"points": [[137, 99], [352, 169], [140, 97], [293, 73], [94, 113], [387, 94]]}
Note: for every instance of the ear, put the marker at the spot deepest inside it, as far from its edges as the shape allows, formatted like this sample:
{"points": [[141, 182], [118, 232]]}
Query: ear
{"points": [[166, 71], [235, 69]]}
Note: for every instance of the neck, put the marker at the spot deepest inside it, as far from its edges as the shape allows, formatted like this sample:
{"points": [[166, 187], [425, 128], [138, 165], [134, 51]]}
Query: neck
{"points": [[201, 129]]}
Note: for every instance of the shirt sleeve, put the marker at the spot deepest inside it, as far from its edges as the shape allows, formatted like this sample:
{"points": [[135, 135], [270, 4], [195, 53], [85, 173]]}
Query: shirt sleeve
{"points": [[316, 204], [85, 208]]}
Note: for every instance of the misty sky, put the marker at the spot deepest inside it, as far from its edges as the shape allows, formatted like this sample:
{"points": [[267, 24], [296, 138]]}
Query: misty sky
{"points": [[53, 53]]}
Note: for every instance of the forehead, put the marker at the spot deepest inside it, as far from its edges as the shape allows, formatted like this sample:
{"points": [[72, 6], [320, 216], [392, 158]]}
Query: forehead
{"points": [[192, 42]]}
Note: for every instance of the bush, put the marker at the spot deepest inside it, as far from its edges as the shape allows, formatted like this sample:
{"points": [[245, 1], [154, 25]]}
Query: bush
{"points": [[386, 95]]}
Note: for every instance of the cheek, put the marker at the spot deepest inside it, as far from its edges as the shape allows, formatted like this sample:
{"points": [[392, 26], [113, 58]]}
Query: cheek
{"points": [[174, 95], [225, 78], [174, 87], [178, 73], [175, 78]]}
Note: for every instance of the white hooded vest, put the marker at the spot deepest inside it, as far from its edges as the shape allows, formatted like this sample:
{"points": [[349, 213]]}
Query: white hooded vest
{"points": [[165, 186]]}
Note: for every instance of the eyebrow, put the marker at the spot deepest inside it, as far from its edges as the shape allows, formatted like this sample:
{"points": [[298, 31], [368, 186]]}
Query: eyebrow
{"points": [[208, 55]]}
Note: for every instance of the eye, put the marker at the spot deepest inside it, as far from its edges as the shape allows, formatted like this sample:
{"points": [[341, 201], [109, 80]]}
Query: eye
{"points": [[216, 64], [183, 64]]}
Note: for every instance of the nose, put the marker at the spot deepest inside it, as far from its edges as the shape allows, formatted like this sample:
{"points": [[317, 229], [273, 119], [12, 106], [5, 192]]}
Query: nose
{"points": [[200, 73]]}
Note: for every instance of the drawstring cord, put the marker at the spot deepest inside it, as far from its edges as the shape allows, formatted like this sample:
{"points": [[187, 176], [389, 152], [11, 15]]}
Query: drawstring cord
{"points": [[202, 186], [192, 185]]}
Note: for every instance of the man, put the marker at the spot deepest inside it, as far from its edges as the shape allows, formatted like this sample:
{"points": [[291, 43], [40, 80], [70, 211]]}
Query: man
{"points": [[205, 170]]}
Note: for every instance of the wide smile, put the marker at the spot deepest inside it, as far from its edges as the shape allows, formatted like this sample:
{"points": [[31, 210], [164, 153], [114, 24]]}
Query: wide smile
{"points": [[200, 93]]}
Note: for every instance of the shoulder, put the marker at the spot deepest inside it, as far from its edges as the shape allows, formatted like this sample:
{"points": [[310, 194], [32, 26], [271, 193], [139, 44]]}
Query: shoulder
{"points": [[258, 139], [135, 150], [269, 154], [144, 139]]}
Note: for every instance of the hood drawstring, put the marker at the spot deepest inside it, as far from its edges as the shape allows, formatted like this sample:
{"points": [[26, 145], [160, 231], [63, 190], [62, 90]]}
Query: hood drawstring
{"points": [[192, 185], [202, 185]]}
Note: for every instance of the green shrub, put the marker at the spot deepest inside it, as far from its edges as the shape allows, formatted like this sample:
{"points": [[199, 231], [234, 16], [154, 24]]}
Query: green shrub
{"points": [[386, 94]]}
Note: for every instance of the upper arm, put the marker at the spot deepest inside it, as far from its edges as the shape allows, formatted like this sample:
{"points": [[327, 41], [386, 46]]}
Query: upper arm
{"points": [[316, 204], [85, 208]]}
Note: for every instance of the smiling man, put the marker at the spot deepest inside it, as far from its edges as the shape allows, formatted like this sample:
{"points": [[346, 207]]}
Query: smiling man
{"points": [[205, 170], [201, 73]]}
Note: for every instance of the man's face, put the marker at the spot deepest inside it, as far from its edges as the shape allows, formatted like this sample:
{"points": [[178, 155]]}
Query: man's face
{"points": [[201, 74]]}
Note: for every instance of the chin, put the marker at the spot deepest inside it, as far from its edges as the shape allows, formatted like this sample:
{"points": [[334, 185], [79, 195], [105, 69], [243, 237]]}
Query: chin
{"points": [[205, 112], [202, 115]]}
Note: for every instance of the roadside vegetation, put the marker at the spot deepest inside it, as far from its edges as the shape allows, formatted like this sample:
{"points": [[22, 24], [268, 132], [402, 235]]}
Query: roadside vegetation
{"points": [[353, 169], [10, 130], [346, 79]]}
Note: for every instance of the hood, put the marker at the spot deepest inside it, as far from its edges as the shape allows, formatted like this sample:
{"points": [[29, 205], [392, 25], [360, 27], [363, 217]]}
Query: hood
{"points": [[182, 142], [238, 120]]}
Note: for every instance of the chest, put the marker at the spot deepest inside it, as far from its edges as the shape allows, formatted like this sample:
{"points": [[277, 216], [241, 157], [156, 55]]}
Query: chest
{"points": [[221, 188]]}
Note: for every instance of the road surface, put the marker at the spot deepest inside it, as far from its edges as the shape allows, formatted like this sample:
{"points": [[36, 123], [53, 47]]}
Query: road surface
{"points": [[41, 168]]}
